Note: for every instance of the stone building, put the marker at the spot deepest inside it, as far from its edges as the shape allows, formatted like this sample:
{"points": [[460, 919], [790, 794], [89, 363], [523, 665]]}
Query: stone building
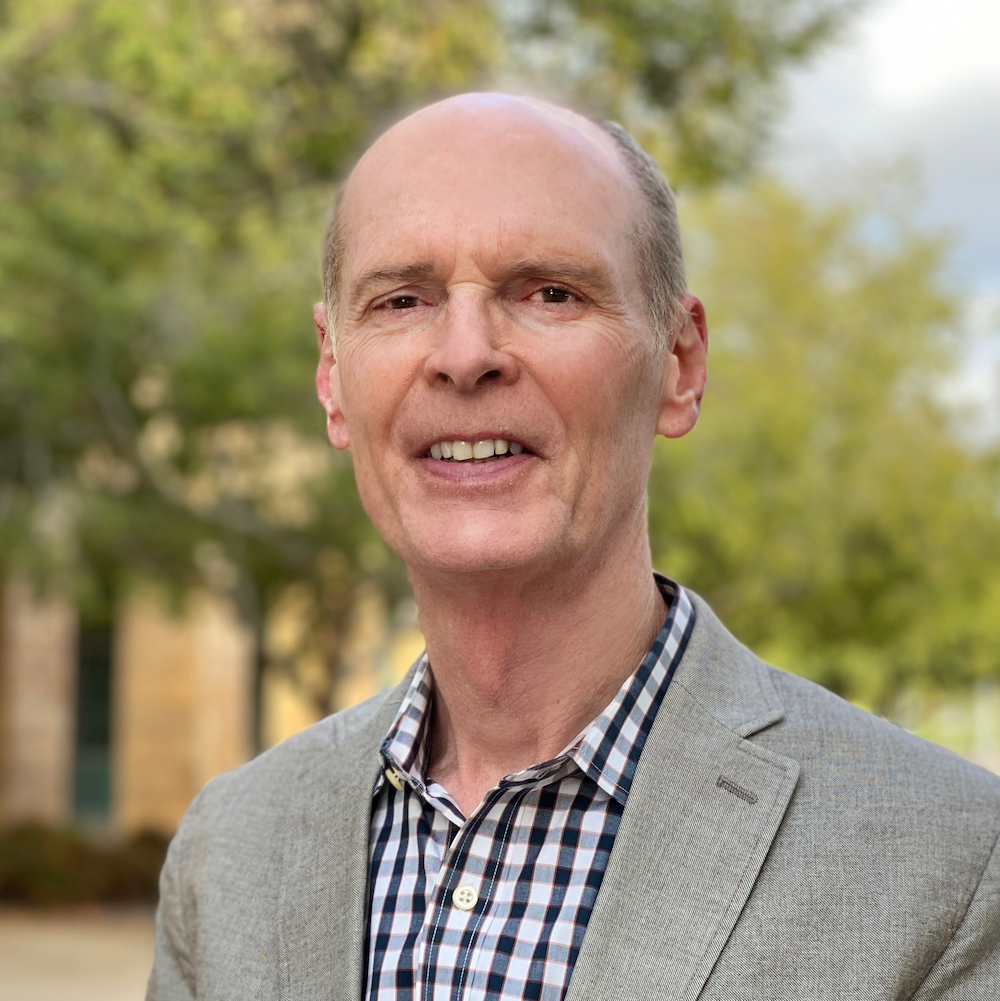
{"points": [[119, 728]]}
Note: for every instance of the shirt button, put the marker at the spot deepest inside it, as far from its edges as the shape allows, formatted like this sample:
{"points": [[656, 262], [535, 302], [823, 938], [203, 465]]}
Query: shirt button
{"points": [[394, 778], [464, 897]]}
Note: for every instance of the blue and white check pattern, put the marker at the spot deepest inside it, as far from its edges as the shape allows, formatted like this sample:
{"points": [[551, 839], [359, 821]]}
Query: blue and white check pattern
{"points": [[534, 851]]}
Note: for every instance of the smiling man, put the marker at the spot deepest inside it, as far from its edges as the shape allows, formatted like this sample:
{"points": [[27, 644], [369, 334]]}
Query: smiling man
{"points": [[586, 788]]}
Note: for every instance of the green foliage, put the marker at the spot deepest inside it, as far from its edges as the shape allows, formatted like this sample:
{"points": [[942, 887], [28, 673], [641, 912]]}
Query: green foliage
{"points": [[41, 865], [697, 81], [824, 505], [164, 172]]}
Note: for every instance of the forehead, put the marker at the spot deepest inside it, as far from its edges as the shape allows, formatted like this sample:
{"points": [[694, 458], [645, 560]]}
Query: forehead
{"points": [[493, 180]]}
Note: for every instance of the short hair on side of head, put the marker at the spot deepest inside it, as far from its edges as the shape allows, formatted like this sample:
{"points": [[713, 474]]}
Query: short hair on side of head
{"points": [[657, 234], [333, 261]]}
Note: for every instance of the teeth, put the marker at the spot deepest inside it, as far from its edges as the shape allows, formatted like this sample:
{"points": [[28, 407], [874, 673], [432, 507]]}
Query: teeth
{"points": [[485, 448]]}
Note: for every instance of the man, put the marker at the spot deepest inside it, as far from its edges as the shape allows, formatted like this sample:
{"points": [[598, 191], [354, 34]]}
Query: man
{"points": [[586, 788]]}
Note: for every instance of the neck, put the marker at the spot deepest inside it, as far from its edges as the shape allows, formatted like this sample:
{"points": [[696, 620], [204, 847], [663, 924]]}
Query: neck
{"points": [[521, 665]]}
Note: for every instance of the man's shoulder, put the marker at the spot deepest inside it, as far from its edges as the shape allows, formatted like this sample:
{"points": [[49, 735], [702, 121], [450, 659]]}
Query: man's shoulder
{"points": [[229, 864], [831, 737], [885, 865], [866, 789], [324, 754], [908, 812]]}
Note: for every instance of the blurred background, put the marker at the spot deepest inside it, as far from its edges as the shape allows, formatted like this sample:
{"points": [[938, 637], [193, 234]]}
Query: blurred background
{"points": [[187, 576]]}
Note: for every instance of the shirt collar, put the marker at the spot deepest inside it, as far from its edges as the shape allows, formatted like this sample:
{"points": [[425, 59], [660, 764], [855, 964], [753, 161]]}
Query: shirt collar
{"points": [[607, 750]]}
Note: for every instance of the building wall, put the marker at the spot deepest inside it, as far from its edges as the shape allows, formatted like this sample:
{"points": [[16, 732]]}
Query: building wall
{"points": [[37, 700], [182, 706], [375, 654], [181, 697]]}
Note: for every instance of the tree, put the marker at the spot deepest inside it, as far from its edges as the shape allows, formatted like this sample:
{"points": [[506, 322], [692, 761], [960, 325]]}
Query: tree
{"points": [[164, 171], [699, 83], [825, 504]]}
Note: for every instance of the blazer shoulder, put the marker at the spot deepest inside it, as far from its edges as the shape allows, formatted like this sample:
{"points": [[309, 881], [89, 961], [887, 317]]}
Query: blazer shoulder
{"points": [[883, 826], [265, 783], [227, 866], [885, 860], [845, 748]]}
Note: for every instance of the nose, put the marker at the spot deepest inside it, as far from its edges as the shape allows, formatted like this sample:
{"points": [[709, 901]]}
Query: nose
{"points": [[468, 353]]}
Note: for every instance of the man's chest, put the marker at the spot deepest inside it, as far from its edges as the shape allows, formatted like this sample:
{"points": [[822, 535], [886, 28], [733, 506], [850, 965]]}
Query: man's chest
{"points": [[493, 906]]}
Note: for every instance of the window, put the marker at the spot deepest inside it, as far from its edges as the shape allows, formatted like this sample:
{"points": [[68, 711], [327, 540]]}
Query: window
{"points": [[92, 777]]}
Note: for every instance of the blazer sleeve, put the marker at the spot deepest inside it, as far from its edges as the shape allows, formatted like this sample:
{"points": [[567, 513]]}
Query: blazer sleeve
{"points": [[969, 968], [173, 976]]}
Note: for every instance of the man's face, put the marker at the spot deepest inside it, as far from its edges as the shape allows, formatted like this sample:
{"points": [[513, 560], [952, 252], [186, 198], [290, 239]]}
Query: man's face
{"points": [[490, 294]]}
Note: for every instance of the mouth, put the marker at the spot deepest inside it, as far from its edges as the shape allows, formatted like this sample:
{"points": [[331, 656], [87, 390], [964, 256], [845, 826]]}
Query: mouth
{"points": [[458, 450]]}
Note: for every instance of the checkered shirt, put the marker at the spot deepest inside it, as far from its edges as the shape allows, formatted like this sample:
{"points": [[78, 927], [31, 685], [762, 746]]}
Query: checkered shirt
{"points": [[530, 859]]}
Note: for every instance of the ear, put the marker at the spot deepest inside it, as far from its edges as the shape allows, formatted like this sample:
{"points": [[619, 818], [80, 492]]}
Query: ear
{"points": [[328, 382], [684, 370]]}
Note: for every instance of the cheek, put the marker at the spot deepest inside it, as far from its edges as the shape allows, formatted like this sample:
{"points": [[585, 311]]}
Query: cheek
{"points": [[371, 458], [607, 398], [373, 383]]}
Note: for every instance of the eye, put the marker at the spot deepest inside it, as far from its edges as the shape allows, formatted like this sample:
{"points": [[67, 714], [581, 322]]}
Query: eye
{"points": [[555, 294], [402, 302]]}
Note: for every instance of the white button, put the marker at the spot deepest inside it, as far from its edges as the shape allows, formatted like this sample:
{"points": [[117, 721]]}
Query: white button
{"points": [[395, 778], [464, 897]]}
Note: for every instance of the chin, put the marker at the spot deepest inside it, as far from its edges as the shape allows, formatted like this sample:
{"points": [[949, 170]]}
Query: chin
{"points": [[474, 545]]}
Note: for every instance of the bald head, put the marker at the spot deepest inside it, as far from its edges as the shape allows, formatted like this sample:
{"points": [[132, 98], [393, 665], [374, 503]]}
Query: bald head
{"points": [[489, 122], [482, 147]]}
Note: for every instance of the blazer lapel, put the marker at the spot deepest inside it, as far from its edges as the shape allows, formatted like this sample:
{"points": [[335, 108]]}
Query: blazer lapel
{"points": [[703, 810], [324, 868]]}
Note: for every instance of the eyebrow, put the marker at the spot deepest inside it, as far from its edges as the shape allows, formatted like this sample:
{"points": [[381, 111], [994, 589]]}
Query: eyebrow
{"points": [[387, 274], [591, 276]]}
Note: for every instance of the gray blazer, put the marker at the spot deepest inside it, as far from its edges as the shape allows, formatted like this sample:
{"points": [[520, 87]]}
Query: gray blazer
{"points": [[777, 844]]}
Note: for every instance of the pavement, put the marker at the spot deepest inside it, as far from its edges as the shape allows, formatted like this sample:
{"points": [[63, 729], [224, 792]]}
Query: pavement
{"points": [[80, 955]]}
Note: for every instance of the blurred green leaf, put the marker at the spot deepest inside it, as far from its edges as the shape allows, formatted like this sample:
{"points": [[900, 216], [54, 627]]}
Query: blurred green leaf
{"points": [[165, 169], [825, 504]]}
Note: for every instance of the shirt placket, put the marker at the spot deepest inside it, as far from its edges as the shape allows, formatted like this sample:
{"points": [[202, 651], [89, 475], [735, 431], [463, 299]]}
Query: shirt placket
{"points": [[444, 917], [434, 868]]}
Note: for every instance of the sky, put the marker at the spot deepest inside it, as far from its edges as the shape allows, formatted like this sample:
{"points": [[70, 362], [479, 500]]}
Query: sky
{"points": [[917, 83]]}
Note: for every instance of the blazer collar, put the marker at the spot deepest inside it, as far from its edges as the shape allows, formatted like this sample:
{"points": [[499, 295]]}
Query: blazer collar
{"points": [[725, 678], [704, 806], [324, 859]]}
